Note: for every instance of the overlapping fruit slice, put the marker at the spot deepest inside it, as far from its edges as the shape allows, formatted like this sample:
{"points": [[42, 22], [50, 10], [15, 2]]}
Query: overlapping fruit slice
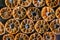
{"points": [[2, 29], [49, 36], [21, 36], [35, 36], [42, 26], [12, 26], [5, 13], [38, 3], [55, 26], [52, 3], [57, 12], [47, 13], [27, 26], [19, 13], [24, 3], [33, 13], [8, 37], [11, 3]]}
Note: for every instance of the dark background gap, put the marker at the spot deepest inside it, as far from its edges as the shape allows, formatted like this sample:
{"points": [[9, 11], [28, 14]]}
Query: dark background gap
{"points": [[57, 37]]}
